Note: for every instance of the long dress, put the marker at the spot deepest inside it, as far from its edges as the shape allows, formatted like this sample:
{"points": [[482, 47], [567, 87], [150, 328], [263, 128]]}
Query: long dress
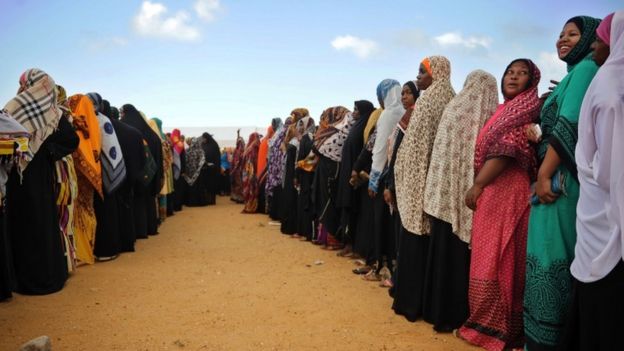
{"points": [[305, 211], [289, 194], [552, 227], [364, 236], [236, 175], [180, 185], [195, 176], [213, 171], [32, 218], [250, 180]]}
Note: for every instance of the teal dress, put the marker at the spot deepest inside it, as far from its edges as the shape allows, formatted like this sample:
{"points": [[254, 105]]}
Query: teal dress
{"points": [[552, 227]]}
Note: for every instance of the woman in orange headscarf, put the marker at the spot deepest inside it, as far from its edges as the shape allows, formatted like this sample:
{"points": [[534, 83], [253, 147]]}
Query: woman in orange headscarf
{"points": [[89, 174]]}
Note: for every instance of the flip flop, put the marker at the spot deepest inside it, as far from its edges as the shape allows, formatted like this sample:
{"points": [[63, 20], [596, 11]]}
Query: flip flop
{"points": [[362, 270]]}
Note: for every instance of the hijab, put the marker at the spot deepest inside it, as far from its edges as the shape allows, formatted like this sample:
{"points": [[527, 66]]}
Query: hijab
{"points": [[263, 152], [451, 169], [35, 107], [195, 160], [604, 29], [414, 154], [276, 158], [587, 26], [176, 141]]}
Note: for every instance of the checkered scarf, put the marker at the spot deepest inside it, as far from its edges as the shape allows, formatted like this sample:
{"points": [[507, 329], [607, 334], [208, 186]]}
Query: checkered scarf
{"points": [[35, 107]]}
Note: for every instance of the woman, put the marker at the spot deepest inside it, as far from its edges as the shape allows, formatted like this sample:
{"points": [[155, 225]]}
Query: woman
{"points": [[250, 182], [410, 172], [195, 174], [134, 118], [213, 163], [334, 126], [89, 175], [346, 199], [32, 217], [131, 142], [237, 170], [504, 167], [409, 95], [305, 177], [552, 222], [167, 166], [289, 192], [275, 170], [450, 176], [179, 157], [596, 319]]}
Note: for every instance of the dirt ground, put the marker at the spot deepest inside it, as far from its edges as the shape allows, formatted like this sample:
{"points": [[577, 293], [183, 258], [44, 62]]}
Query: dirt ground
{"points": [[215, 279]]}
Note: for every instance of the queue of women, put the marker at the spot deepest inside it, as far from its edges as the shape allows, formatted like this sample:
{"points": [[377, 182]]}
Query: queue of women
{"points": [[81, 181], [499, 222]]}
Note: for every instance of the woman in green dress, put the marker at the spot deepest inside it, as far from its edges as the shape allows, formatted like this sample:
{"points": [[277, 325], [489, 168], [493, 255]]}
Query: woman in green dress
{"points": [[552, 231]]}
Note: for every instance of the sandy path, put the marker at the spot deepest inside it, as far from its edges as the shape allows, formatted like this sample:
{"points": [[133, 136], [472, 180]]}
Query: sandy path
{"points": [[215, 279]]}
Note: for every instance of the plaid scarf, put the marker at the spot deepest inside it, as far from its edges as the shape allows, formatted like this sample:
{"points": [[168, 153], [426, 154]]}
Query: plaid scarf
{"points": [[35, 107]]}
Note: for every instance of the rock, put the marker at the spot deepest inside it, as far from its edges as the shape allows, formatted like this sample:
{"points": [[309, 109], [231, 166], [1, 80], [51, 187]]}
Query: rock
{"points": [[318, 262], [41, 343]]}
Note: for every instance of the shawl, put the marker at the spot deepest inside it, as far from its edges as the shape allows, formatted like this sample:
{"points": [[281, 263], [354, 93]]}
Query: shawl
{"points": [[195, 160], [389, 92], [176, 141], [299, 113], [35, 108], [412, 162], [451, 169], [505, 136], [263, 152], [167, 155], [250, 181], [372, 122], [587, 26], [305, 126], [274, 176], [334, 129], [237, 159], [604, 29], [113, 164], [559, 116], [276, 124], [600, 212], [87, 157]]}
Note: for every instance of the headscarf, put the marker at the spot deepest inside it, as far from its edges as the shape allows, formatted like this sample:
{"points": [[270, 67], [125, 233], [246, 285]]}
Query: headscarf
{"points": [[334, 126], [600, 211], [299, 113], [35, 107], [11, 133], [451, 169], [587, 26], [412, 161], [559, 116], [87, 156], [372, 122], [389, 90], [505, 136], [263, 152], [404, 122], [305, 126], [276, 123], [113, 165], [195, 160], [176, 141], [61, 97], [167, 155], [276, 158], [604, 29]]}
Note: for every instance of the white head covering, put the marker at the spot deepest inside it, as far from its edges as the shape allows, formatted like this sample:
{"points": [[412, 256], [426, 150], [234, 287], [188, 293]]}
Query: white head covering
{"points": [[600, 210]]}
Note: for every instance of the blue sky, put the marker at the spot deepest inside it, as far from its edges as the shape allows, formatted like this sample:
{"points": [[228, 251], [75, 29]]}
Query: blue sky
{"points": [[240, 63]]}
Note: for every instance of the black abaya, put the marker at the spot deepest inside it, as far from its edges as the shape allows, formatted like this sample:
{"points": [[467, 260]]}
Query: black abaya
{"points": [[305, 210], [289, 194], [325, 181], [32, 217], [213, 167], [6, 268]]}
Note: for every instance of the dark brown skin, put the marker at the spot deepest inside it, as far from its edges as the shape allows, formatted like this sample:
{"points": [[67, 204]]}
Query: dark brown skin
{"points": [[423, 79], [407, 98], [569, 37], [601, 51], [515, 80], [491, 169]]}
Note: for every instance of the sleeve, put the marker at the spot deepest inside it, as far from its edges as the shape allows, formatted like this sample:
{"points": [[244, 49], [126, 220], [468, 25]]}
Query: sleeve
{"points": [[63, 141]]}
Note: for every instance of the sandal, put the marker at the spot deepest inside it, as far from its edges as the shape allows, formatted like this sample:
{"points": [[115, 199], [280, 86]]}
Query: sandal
{"points": [[372, 276], [359, 262], [386, 283], [362, 270], [346, 252]]}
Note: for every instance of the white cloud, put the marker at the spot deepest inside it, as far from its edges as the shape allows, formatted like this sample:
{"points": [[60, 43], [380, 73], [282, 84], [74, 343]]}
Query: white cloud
{"points": [[551, 67], [152, 21], [457, 39], [362, 48], [206, 9], [107, 43]]}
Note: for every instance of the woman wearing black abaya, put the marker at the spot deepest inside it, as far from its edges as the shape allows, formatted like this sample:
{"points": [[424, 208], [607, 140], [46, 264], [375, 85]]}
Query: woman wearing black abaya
{"points": [[179, 186], [288, 199], [132, 117], [213, 166], [131, 142], [305, 176], [32, 217], [195, 175], [346, 197]]}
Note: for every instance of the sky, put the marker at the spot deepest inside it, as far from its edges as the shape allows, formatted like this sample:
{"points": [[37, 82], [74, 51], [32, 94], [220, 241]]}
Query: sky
{"points": [[199, 63]]}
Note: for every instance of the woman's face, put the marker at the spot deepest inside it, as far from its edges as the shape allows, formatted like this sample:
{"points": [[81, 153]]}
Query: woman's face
{"points": [[407, 98], [424, 79], [569, 37], [356, 113], [516, 79], [601, 51]]}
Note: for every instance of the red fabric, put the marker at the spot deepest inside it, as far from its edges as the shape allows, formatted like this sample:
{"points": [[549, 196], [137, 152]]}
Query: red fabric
{"points": [[504, 134], [250, 181], [498, 259], [176, 141], [263, 152], [236, 173]]}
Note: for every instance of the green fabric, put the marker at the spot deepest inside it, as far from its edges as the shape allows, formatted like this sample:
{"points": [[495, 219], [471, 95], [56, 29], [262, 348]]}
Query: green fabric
{"points": [[560, 113], [550, 251]]}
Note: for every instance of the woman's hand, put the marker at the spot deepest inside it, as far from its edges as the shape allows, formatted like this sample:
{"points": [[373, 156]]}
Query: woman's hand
{"points": [[543, 190], [388, 198], [532, 133], [354, 178], [371, 193], [472, 196]]}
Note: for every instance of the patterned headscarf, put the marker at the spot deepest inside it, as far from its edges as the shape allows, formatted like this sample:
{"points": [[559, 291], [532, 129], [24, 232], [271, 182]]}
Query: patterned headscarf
{"points": [[195, 160], [299, 113], [35, 107], [176, 141], [451, 169], [506, 136], [330, 118], [305, 126], [587, 25], [276, 157], [412, 161]]}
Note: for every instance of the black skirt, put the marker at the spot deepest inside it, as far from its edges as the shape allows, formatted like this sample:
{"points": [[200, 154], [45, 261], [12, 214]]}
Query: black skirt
{"points": [[305, 211], [107, 239], [325, 186], [6, 276], [410, 275], [274, 203], [596, 315], [179, 193], [446, 280], [364, 236]]}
